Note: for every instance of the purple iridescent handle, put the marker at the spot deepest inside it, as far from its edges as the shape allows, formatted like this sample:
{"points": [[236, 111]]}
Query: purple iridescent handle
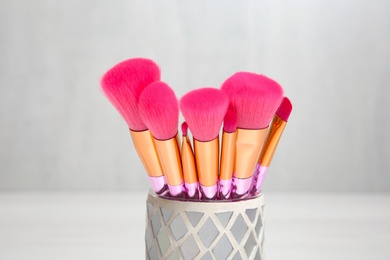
{"points": [[192, 190], [208, 192], [225, 188], [241, 187], [254, 189], [176, 191], [258, 181], [159, 185]]}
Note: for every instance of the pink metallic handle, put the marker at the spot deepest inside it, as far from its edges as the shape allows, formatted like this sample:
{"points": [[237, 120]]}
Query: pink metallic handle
{"points": [[159, 185], [254, 190], [208, 192], [192, 190], [225, 189], [241, 187], [258, 179], [176, 191]]}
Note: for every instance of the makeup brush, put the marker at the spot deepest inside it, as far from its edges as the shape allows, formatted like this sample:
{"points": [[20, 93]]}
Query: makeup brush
{"points": [[188, 163], [204, 110], [275, 132], [122, 85], [228, 149], [159, 110], [255, 99]]}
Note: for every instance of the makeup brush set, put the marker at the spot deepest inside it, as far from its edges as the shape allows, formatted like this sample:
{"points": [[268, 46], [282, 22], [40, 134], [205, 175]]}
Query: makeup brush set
{"points": [[250, 109], [206, 201]]}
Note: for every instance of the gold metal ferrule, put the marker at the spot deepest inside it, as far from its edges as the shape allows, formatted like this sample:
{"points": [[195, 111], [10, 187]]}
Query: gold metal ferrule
{"points": [[248, 148], [169, 154], [207, 159], [188, 162], [227, 155], [273, 137], [147, 152]]}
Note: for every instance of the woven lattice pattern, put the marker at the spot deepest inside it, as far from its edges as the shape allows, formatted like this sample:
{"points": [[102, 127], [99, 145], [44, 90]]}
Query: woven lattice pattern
{"points": [[194, 230]]}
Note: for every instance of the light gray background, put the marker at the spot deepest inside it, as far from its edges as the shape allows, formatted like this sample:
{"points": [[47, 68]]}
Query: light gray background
{"points": [[57, 131]]}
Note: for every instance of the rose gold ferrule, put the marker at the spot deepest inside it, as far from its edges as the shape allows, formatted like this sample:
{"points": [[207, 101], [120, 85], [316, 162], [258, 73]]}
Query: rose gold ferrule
{"points": [[274, 134], [188, 162], [169, 154], [227, 155], [207, 158], [147, 152], [248, 148]]}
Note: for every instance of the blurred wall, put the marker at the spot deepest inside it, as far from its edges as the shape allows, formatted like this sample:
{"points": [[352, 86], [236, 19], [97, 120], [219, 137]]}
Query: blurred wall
{"points": [[57, 131]]}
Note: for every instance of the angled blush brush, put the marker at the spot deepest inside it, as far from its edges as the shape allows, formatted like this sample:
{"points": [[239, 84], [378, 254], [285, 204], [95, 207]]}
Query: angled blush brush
{"points": [[204, 110], [275, 132], [122, 85], [159, 110], [188, 163], [228, 149], [255, 99]]}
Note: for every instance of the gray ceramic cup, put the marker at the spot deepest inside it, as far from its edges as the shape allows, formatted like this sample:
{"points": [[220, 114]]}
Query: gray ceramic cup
{"points": [[204, 230]]}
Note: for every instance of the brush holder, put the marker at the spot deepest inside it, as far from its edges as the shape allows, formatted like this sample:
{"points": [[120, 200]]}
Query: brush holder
{"points": [[204, 230]]}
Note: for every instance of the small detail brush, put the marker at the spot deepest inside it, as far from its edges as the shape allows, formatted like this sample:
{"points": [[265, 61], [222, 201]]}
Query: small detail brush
{"points": [[204, 110], [255, 99], [189, 168], [159, 110], [228, 149], [275, 132], [122, 85]]}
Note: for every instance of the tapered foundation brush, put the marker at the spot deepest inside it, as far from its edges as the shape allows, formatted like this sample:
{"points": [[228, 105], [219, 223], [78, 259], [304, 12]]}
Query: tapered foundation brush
{"points": [[204, 110], [228, 150], [159, 110], [122, 85], [275, 132], [255, 99], [189, 168]]}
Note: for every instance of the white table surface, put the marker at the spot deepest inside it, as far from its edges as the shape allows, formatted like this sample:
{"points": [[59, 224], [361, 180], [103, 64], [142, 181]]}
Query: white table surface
{"points": [[111, 226]]}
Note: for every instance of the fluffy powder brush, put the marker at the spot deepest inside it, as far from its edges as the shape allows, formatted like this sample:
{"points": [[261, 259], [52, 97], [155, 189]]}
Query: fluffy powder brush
{"points": [[255, 99], [122, 85], [204, 110], [159, 110]]}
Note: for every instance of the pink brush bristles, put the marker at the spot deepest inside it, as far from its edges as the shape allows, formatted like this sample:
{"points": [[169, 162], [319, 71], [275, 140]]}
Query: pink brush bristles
{"points": [[284, 109], [272, 141], [184, 128], [230, 121], [159, 110], [245, 105], [254, 97], [123, 84], [204, 110]]}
